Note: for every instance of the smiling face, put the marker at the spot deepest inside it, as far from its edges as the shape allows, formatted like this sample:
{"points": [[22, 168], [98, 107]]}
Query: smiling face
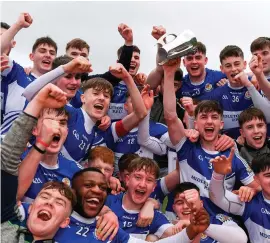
{"points": [[134, 64], [195, 65], [254, 132], [140, 184], [96, 103], [91, 191], [208, 125], [231, 66], [49, 211], [60, 138], [43, 57], [181, 209], [69, 84]]}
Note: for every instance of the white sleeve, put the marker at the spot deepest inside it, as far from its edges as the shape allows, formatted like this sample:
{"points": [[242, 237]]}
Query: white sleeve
{"points": [[223, 198], [153, 144], [167, 141], [33, 88], [181, 237], [226, 234], [260, 102]]}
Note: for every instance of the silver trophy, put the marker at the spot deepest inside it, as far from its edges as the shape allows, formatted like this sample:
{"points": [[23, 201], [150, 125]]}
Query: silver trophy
{"points": [[172, 46]]}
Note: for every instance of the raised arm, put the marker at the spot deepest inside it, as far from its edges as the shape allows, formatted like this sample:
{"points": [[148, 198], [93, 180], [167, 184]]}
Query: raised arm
{"points": [[175, 126], [29, 165], [77, 65], [155, 77], [24, 21], [256, 67], [224, 199], [139, 109], [125, 56], [259, 101], [16, 139], [153, 144]]}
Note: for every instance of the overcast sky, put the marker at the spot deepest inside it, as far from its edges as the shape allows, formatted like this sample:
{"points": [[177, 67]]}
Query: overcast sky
{"points": [[215, 23]]}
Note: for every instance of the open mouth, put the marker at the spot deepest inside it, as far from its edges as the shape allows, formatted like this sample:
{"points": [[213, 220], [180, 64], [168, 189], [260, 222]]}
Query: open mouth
{"points": [[47, 62], [233, 75], [194, 68], [139, 192], [257, 138], [132, 67], [209, 130], [93, 202], [56, 138], [99, 107], [44, 215], [186, 212]]}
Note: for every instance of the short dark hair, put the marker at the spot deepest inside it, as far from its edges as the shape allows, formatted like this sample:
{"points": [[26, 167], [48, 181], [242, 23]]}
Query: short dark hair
{"points": [[230, 51], [201, 47], [61, 60], [78, 44], [178, 75], [44, 40], [135, 49], [125, 160], [140, 88], [58, 111], [63, 189], [5, 26], [98, 84], [142, 163], [183, 187], [260, 163], [208, 106], [259, 44], [80, 172], [249, 114]]}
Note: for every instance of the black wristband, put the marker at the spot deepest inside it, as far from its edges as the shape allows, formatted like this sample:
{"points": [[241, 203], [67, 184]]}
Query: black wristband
{"points": [[38, 149]]}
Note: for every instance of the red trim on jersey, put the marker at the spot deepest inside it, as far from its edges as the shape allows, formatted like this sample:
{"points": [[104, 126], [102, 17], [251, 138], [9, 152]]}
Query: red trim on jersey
{"points": [[119, 129]]}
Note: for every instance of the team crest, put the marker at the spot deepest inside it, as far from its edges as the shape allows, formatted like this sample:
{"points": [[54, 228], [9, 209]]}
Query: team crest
{"points": [[223, 218], [247, 95], [66, 181], [208, 87], [203, 236]]}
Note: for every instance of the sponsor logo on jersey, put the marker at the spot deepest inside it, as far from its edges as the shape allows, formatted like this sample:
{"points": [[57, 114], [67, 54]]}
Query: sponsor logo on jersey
{"points": [[265, 211], [66, 181], [247, 95], [208, 87]]}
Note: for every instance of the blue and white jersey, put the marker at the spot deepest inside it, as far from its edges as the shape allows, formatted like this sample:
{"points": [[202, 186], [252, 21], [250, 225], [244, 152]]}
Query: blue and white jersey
{"points": [[195, 90], [129, 142], [233, 101], [128, 218], [13, 83], [62, 171], [116, 109], [195, 167], [83, 230], [256, 217], [76, 100], [81, 134]]}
